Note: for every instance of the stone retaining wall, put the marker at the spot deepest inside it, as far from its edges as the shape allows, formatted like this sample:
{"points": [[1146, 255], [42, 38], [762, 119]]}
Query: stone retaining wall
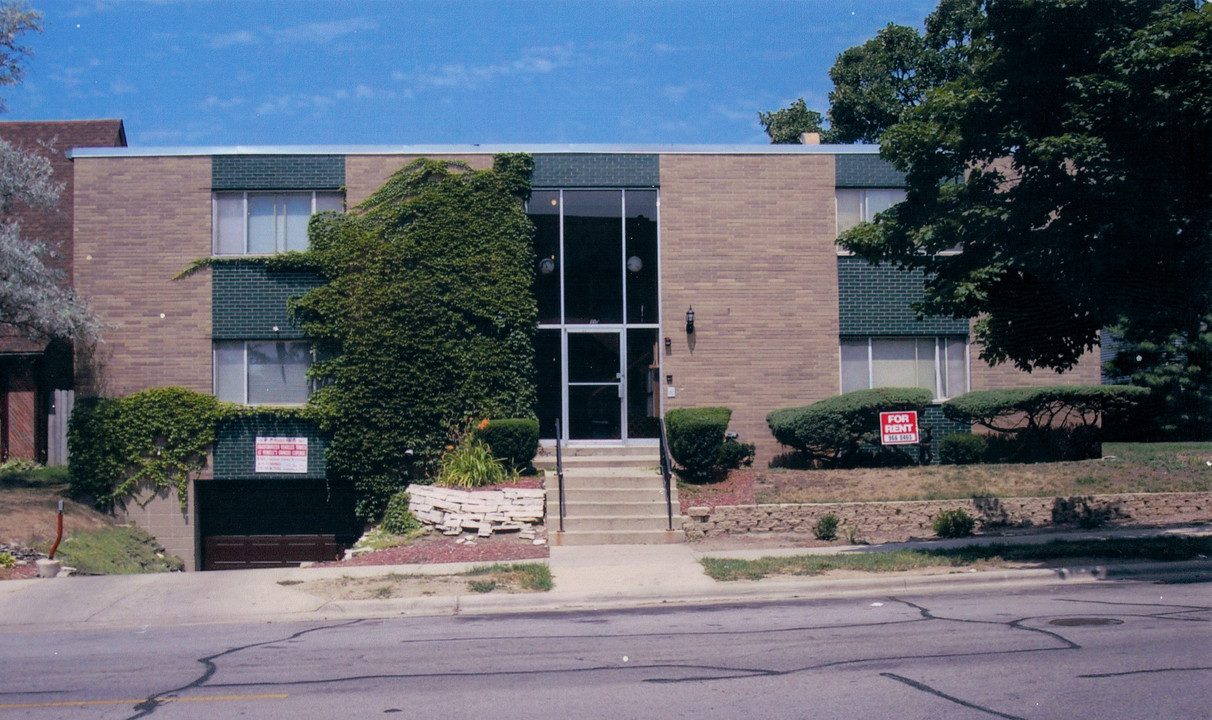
{"points": [[894, 521], [483, 512]]}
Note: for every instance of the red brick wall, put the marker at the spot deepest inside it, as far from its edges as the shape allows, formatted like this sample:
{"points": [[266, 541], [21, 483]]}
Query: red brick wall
{"points": [[748, 241], [138, 223]]}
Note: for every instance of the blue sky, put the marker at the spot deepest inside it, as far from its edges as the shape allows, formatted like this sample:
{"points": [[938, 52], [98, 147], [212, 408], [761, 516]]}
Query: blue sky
{"points": [[329, 72]]}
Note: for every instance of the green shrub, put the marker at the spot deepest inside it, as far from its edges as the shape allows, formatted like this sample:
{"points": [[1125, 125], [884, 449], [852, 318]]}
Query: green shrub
{"points": [[471, 465], [397, 518], [956, 523], [514, 441], [834, 430], [826, 528], [695, 437], [962, 449], [733, 454]]}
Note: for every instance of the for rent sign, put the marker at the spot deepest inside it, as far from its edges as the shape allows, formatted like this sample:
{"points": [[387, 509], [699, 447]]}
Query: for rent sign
{"points": [[281, 455], [899, 428]]}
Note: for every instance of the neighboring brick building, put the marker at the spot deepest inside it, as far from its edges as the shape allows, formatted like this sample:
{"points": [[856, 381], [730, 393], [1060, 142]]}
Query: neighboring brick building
{"points": [[628, 240], [36, 380]]}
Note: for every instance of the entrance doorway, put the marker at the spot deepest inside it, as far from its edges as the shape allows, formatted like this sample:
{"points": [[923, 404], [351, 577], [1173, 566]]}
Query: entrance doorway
{"points": [[596, 278]]}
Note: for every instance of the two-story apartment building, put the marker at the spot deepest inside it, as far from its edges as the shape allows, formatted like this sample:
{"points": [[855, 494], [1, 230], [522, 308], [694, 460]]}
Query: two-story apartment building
{"points": [[629, 242]]}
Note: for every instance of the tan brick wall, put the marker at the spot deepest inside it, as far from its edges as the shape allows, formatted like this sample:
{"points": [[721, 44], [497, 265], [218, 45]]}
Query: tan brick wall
{"points": [[163, 518], [748, 242], [1088, 371], [366, 173], [139, 222]]}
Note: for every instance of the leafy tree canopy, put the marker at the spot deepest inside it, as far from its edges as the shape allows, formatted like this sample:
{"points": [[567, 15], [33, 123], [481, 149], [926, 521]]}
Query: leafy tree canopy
{"points": [[787, 126], [426, 321], [33, 300], [1071, 162], [875, 83]]}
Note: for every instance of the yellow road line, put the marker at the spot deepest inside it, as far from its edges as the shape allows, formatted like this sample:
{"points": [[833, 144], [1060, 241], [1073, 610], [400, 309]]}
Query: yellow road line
{"points": [[86, 703]]}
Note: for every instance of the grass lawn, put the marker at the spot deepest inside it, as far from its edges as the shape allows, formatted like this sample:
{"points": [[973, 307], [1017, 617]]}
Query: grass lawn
{"points": [[977, 556], [1124, 468]]}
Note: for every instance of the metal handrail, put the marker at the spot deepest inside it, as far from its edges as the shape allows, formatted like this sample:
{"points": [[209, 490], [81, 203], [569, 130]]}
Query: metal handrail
{"points": [[666, 471], [560, 470]]}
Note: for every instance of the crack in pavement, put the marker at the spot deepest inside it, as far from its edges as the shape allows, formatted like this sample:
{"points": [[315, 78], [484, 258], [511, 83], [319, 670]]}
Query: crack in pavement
{"points": [[958, 701], [155, 700]]}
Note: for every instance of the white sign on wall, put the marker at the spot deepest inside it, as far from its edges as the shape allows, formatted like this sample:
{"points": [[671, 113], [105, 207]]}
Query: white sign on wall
{"points": [[281, 455]]}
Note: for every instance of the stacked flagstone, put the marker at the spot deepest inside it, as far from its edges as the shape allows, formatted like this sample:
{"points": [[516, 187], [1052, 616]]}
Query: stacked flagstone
{"points": [[483, 512]]}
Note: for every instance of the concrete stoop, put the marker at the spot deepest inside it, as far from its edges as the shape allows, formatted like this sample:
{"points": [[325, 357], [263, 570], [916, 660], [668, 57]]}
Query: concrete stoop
{"points": [[612, 496]]}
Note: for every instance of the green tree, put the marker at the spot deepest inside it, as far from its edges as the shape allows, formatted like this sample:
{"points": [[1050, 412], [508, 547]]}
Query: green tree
{"points": [[1072, 165], [1178, 372], [33, 300], [876, 83], [426, 321], [787, 126]]}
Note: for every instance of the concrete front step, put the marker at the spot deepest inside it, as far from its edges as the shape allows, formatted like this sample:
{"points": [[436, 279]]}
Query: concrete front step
{"points": [[618, 537], [594, 450], [612, 523], [643, 462], [607, 481], [612, 495]]}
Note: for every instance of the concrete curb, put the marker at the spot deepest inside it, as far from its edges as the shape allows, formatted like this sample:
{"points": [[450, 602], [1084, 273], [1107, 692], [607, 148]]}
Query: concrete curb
{"points": [[769, 590]]}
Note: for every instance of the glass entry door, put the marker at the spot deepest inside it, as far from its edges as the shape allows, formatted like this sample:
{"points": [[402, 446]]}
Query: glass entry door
{"points": [[595, 385]]}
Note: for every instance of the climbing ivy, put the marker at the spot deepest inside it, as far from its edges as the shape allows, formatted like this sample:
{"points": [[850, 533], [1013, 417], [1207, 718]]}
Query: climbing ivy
{"points": [[426, 319], [134, 447], [137, 446]]}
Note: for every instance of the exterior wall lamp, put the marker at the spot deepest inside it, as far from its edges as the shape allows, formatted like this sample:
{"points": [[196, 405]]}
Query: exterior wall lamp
{"points": [[690, 321]]}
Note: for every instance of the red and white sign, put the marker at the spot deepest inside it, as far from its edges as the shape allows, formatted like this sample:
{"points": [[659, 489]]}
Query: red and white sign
{"points": [[281, 455], [899, 428]]}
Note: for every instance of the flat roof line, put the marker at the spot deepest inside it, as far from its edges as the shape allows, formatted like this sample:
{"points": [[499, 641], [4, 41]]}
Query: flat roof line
{"points": [[474, 149]]}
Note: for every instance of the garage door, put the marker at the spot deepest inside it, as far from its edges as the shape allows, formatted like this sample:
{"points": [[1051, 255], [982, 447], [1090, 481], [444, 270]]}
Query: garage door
{"points": [[238, 552], [272, 523]]}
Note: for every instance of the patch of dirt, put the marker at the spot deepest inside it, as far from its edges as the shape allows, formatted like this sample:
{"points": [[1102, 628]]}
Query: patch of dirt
{"points": [[28, 516], [396, 585], [28, 523], [436, 548]]}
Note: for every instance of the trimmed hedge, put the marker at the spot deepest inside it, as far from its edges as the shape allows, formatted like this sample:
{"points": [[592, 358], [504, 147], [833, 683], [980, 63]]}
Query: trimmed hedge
{"points": [[834, 430], [695, 437], [1018, 409], [514, 441], [1044, 424]]}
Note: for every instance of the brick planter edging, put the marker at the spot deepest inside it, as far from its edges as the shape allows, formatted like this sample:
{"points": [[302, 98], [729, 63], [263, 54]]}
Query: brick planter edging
{"points": [[893, 520]]}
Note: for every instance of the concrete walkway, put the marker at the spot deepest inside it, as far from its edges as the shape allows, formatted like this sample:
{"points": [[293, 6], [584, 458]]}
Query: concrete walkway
{"points": [[585, 578]]}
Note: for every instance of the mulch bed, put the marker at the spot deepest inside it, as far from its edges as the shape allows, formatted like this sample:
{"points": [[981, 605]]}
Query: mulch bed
{"points": [[437, 548], [738, 488]]}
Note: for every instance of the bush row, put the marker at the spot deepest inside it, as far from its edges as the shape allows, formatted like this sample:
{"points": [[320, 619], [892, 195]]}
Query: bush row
{"points": [[1029, 424]]}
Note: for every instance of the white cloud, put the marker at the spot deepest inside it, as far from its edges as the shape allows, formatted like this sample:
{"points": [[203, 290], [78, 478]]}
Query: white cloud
{"points": [[321, 33], [534, 61], [226, 40], [121, 87]]}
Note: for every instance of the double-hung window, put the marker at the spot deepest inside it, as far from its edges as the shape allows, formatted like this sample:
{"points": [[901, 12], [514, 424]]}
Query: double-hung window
{"points": [[939, 364], [862, 205], [262, 223], [262, 372]]}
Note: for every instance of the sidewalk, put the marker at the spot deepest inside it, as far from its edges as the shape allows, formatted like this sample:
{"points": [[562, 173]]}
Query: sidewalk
{"points": [[585, 578]]}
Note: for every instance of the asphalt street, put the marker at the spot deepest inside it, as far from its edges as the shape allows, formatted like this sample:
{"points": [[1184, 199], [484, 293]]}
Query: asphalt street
{"points": [[1114, 649]]}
